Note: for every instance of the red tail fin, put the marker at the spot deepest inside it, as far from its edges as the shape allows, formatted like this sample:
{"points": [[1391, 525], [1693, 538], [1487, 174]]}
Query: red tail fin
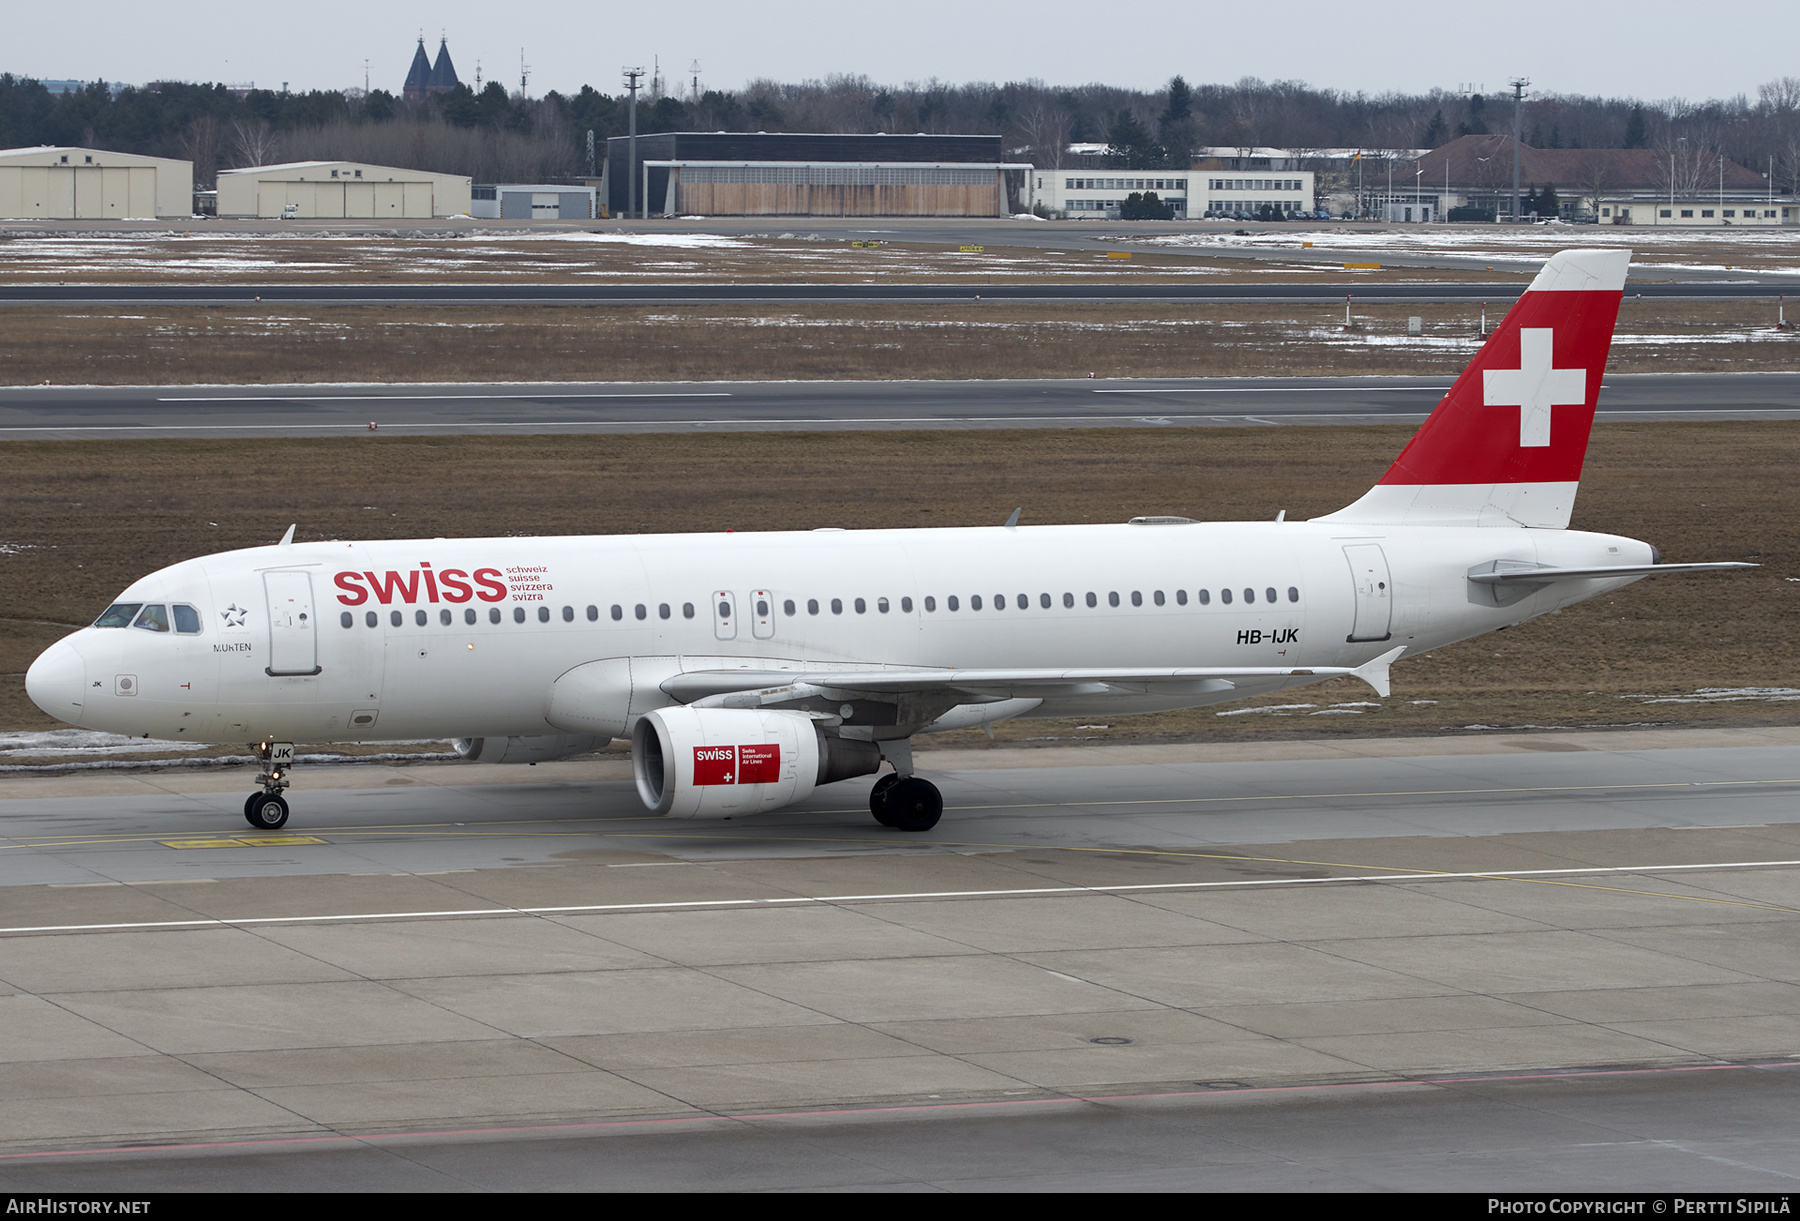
{"points": [[1505, 446]]}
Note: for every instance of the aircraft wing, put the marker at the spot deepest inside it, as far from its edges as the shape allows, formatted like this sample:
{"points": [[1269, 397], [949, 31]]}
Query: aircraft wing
{"points": [[750, 688]]}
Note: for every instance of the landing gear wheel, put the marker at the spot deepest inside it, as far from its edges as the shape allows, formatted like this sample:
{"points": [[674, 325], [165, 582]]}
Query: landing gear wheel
{"points": [[913, 805], [266, 811], [878, 798]]}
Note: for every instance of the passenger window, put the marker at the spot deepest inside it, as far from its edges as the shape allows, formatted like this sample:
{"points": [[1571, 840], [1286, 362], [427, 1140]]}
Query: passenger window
{"points": [[1044, 601], [469, 615], [930, 603], [950, 603], [371, 619], [419, 617], [394, 618], [787, 608], [494, 614], [762, 608], [1068, 601], [1181, 597], [119, 614], [347, 619], [518, 614], [1249, 596], [974, 602], [640, 612], [1269, 593], [1025, 600], [187, 620], [568, 614], [1205, 597], [663, 611], [687, 610], [881, 604], [153, 618], [1293, 593], [444, 616], [593, 614], [1092, 600], [906, 605], [862, 607], [543, 614], [1157, 597], [837, 606], [1137, 598], [812, 606], [1112, 599], [1225, 596], [724, 609], [618, 612]]}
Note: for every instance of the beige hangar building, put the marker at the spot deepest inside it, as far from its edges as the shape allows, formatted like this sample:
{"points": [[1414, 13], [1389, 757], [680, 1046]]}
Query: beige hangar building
{"points": [[49, 183], [340, 190]]}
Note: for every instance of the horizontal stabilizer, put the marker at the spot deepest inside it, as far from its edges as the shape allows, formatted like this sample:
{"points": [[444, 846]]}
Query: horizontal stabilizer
{"points": [[1540, 576]]}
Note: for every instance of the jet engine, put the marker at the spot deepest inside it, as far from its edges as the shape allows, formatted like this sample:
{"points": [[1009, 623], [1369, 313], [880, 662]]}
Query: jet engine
{"points": [[717, 762], [526, 750]]}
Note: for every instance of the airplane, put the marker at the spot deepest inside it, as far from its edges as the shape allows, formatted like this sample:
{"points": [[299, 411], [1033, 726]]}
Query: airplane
{"points": [[748, 669]]}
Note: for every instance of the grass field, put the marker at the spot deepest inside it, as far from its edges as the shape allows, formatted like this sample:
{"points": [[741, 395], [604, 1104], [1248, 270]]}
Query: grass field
{"points": [[83, 519], [975, 339]]}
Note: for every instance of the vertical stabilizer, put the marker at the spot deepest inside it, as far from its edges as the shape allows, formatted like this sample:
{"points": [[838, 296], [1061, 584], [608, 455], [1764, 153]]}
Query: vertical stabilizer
{"points": [[1505, 446]]}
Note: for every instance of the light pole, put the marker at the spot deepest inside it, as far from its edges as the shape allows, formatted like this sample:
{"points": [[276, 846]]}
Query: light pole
{"points": [[1419, 191], [1518, 87], [632, 76]]}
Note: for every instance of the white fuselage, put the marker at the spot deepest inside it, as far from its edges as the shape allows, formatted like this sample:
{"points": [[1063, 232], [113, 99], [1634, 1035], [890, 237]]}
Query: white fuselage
{"points": [[357, 641]]}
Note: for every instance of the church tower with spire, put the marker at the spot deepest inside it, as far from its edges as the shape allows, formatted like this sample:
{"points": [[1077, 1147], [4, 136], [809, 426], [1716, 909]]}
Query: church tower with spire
{"points": [[425, 77]]}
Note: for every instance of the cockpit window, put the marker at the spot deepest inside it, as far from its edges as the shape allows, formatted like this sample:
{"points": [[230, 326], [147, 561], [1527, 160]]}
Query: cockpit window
{"points": [[119, 614], [187, 620], [153, 618]]}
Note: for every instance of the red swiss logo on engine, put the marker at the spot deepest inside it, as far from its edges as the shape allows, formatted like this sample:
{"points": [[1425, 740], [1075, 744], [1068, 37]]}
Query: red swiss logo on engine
{"points": [[737, 764]]}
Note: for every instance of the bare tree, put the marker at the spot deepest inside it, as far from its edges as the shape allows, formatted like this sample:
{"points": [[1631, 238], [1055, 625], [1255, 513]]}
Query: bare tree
{"points": [[200, 145], [255, 141]]}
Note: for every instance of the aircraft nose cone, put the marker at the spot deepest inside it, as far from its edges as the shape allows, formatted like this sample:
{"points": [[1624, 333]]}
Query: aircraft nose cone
{"points": [[57, 680]]}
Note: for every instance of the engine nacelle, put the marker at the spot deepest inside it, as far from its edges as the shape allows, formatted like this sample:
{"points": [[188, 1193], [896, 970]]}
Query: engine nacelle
{"points": [[526, 750], [718, 762]]}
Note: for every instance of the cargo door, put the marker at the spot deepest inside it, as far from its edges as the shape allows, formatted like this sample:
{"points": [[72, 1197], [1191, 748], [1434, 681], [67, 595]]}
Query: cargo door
{"points": [[293, 640]]}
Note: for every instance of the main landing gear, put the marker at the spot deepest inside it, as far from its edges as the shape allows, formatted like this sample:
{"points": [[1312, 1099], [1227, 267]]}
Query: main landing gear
{"points": [[266, 809], [906, 803]]}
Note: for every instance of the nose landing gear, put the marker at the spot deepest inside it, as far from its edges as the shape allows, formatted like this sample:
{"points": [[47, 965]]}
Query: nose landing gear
{"points": [[267, 809]]}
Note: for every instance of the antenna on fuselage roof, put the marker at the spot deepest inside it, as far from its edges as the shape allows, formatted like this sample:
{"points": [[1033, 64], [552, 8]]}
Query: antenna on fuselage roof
{"points": [[287, 538], [1013, 520]]}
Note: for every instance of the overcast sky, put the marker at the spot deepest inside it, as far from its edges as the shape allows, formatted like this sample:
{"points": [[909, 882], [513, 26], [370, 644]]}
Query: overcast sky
{"points": [[1653, 49]]}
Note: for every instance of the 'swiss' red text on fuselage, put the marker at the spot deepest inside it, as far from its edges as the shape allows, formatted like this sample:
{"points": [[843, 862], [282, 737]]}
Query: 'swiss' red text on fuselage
{"points": [[421, 585]]}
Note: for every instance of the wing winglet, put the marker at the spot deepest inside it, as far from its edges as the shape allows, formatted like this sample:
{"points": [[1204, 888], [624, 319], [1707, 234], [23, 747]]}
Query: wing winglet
{"points": [[1375, 672]]}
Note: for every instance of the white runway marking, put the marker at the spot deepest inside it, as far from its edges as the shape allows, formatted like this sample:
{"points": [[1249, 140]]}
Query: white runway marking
{"points": [[789, 901]]}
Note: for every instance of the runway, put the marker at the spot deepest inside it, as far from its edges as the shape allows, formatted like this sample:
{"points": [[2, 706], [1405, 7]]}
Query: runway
{"points": [[1024, 289], [1541, 961], [50, 413]]}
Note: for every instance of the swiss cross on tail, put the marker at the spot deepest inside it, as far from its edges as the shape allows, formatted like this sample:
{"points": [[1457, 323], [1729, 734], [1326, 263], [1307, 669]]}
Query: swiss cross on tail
{"points": [[1534, 387], [1506, 445]]}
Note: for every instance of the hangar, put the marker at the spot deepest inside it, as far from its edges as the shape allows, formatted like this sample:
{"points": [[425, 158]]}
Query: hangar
{"points": [[54, 183], [721, 173], [341, 190]]}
